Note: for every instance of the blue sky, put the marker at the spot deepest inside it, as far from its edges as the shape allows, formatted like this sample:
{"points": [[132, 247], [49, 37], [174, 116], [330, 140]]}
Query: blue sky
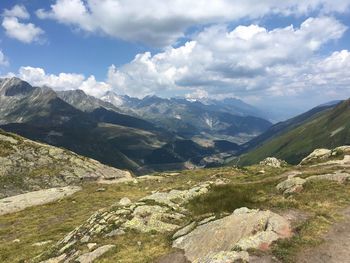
{"points": [[244, 49]]}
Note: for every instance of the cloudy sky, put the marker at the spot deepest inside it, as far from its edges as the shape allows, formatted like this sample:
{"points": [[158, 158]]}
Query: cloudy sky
{"points": [[285, 55]]}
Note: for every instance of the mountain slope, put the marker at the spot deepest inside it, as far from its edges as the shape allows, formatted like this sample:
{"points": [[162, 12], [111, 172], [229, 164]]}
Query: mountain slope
{"points": [[287, 125], [26, 165], [327, 129]]}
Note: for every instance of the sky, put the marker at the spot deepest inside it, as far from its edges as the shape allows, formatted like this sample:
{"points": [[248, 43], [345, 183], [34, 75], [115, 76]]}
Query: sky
{"points": [[283, 56]]}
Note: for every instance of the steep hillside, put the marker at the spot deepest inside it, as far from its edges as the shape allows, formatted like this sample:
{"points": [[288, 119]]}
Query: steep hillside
{"points": [[288, 125], [26, 165], [325, 129]]}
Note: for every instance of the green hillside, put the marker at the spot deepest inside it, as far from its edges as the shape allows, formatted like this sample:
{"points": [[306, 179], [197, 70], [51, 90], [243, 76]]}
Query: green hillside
{"points": [[328, 130]]}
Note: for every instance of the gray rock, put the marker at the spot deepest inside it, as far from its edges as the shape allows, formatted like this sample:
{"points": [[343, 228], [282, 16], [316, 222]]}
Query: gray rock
{"points": [[125, 201], [244, 229], [225, 257], [91, 256], [291, 185], [185, 230], [273, 162], [316, 155]]}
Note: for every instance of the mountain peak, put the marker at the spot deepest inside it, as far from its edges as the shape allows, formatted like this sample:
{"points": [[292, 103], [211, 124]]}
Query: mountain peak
{"points": [[14, 86]]}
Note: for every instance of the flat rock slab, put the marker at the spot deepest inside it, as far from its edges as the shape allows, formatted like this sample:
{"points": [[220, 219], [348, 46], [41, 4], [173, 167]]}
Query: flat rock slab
{"points": [[92, 256], [244, 229], [20, 202]]}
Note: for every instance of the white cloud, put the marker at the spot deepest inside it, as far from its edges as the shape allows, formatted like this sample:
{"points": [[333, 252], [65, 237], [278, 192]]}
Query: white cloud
{"points": [[162, 23], [63, 81], [219, 61], [3, 59], [24, 32], [18, 11]]}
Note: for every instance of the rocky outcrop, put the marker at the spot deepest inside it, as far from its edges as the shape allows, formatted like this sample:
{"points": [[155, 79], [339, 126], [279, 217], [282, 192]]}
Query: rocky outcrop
{"points": [[158, 212], [273, 162], [29, 166], [91, 256], [20, 202], [322, 155], [244, 229], [291, 185], [295, 184]]}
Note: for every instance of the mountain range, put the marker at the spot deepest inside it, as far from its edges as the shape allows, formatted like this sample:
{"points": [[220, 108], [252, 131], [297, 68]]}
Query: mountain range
{"points": [[133, 134]]}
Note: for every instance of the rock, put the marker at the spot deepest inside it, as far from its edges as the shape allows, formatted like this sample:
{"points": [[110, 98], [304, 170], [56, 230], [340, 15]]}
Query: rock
{"points": [[124, 201], [91, 256], [101, 189], [291, 185], [151, 218], [58, 259], [42, 243], [16, 241], [244, 229], [85, 239], [185, 230], [316, 155], [177, 197], [20, 202], [225, 257], [339, 177], [116, 232], [273, 162], [91, 245], [174, 257], [207, 220]]}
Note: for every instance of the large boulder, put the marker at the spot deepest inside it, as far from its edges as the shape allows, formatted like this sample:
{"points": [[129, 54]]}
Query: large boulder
{"points": [[316, 155], [273, 162], [291, 185], [244, 229]]}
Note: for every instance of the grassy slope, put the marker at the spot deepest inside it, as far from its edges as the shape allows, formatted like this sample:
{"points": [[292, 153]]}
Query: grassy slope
{"points": [[320, 200], [328, 130]]}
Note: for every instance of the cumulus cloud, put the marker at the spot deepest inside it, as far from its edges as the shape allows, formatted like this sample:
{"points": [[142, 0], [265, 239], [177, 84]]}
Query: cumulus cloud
{"points": [[24, 32], [222, 61], [63, 81], [18, 11], [162, 23]]}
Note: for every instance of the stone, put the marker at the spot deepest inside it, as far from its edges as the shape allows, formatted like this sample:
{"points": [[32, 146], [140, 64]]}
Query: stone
{"points": [[243, 229], [58, 259], [185, 230], [101, 189], [291, 185], [91, 245], [316, 155], [91, 256], [20, 202], [206, 220], [116, 232], [124, 201], [151, 218], [340, 177], [225, 257], [42, 243], [273, 162]]}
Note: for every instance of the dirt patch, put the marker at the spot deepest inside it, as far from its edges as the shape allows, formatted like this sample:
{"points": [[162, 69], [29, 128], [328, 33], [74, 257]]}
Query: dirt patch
{"points": [[335, 248]]}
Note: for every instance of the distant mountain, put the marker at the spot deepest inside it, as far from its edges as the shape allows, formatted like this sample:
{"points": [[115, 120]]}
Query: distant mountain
{"points": [[40, 114], [228, 119], [324, 126], [97, 129], [84, 102]]}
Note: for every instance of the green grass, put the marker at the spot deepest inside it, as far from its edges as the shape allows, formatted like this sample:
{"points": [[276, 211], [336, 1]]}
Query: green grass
{"points": [[297, 143], [320, 200]]}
